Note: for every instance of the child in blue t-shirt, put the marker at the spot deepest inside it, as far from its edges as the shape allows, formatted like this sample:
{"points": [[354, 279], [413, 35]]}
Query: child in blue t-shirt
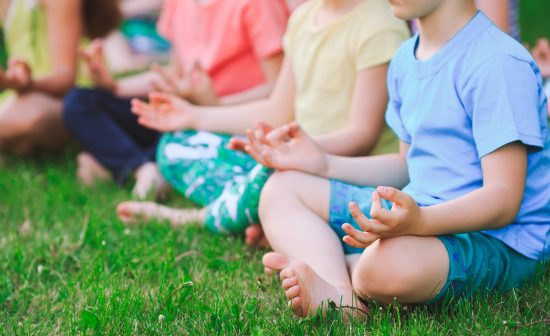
{"points": [[473, 214]]}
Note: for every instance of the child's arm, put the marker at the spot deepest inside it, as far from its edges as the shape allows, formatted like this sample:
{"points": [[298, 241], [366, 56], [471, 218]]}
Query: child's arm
{"points": [[178, 114], [139, 7], [290, 148], [366, 121], [63, 33], [270, 67], [138, 85], [492, 206]]}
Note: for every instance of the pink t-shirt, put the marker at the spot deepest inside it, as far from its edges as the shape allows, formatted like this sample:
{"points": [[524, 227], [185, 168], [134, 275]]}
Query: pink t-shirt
{"points": [[228, 38]]}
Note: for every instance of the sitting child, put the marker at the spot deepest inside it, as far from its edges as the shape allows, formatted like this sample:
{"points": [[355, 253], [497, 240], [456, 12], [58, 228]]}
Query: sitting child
{"points": [[224, 51], [332, 83], [466, 101], [42, 39]]}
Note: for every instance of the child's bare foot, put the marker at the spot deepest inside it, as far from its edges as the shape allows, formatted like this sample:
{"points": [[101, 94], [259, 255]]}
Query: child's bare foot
{"points": [[90, 171], [133, 212], [149, 181], [305, 289], [254, 236]]}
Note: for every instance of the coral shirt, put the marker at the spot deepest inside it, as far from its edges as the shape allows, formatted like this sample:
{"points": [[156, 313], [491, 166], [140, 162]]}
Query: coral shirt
{"points": [[228, 38]]}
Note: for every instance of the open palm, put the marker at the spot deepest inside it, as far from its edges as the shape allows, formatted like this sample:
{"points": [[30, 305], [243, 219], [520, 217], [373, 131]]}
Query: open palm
{"points": [[287, 148], [164, 112]]}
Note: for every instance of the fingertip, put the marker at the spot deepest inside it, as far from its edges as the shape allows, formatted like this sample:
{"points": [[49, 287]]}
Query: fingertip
{"points": [[385, 190], [345, 227]]}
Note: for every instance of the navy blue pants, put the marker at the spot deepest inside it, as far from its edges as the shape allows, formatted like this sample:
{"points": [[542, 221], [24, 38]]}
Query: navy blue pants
{"points": [[106, 128]]}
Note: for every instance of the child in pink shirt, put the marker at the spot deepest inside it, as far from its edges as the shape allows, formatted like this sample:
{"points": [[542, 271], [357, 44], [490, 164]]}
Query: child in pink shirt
{"points": [[229, 38], [224, 52]]}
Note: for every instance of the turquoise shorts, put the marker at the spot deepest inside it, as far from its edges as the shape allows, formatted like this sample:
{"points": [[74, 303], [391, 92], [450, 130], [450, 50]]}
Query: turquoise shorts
{"points": [[478, 263]]}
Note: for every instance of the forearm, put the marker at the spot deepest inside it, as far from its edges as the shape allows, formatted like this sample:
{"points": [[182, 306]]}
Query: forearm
{"points": [[135, 86], [259, 92], [139, 7], [351, 141], [236, 119], [56, 84], [484, 209], [387, 170]]}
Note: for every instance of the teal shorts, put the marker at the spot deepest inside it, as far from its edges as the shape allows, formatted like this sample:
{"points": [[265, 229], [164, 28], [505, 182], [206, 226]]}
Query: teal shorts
{"points": [[478, 263]]}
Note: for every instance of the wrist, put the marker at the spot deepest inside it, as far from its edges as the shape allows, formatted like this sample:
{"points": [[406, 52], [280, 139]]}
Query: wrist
{"points": [[324, 169], [29, 85], [113, 87], [421, 225], [195, 122]]}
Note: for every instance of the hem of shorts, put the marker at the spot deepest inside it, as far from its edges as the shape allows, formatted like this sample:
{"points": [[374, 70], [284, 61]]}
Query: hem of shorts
{"points": [[445, 289]]}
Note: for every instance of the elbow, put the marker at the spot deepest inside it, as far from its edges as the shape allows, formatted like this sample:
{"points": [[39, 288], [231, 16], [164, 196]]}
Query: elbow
{"points": [[510, 206], [61, 82], [66, 83], [366, 145]]}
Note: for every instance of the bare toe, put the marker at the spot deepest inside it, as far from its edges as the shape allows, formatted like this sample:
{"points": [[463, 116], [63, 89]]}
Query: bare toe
{"points": [[290, 282], [306, 291]]}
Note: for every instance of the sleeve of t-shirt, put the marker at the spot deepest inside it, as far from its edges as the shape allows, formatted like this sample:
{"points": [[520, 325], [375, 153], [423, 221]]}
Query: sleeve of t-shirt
{"points": [[393, 111], [505, 102], [165, 22], [379, 48], [265, 22]]}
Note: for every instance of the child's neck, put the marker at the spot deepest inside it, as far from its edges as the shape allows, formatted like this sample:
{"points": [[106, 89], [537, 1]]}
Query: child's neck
{"points": [[334, 9], [438, 27], [336, 4]]}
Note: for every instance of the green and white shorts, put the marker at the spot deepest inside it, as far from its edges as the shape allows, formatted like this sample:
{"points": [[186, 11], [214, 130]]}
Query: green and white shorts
{"points": [[228, 183]]}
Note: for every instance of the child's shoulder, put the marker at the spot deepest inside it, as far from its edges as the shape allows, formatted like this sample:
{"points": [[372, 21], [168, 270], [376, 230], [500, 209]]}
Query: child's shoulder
{"points": [[404, 55], [494, 46]]}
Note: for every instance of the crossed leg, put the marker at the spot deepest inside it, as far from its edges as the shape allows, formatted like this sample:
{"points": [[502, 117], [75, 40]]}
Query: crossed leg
{"points": [[32, 122], [294, 210]]}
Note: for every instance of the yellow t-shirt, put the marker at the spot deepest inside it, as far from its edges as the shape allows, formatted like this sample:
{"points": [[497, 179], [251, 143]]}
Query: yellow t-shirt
{"points": [[327, 59], [25, 35]]}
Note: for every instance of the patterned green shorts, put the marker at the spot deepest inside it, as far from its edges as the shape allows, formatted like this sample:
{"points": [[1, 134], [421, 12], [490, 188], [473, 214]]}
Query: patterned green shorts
{"points": [[228, 183]]}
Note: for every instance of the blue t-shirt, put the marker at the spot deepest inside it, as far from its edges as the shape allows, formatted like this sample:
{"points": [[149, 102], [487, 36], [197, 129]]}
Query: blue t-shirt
{"points": [[479, 92]]}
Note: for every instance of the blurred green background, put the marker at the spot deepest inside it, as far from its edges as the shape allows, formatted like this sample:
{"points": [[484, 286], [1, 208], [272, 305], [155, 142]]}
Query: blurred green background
{"points": [[534, 20]]}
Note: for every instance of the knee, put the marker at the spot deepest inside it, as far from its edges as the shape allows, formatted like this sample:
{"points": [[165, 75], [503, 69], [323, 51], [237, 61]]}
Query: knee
{"points": [[279, 185], [77, 103], [17, 127], [384, 272]]}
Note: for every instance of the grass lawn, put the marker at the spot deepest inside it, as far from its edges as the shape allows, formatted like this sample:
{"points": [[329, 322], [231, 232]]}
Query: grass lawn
{"points": [[68, 266]]}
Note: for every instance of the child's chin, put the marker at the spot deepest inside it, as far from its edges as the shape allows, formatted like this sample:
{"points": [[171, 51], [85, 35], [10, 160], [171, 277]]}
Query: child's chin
{"points": [[402, 13]]}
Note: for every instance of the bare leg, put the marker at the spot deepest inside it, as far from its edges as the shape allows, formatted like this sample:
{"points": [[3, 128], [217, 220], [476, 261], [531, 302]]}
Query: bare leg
{"points": [[90, 171], [410, 269], [134, 212], [149, 181], [32, 122], [294, 211]]}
